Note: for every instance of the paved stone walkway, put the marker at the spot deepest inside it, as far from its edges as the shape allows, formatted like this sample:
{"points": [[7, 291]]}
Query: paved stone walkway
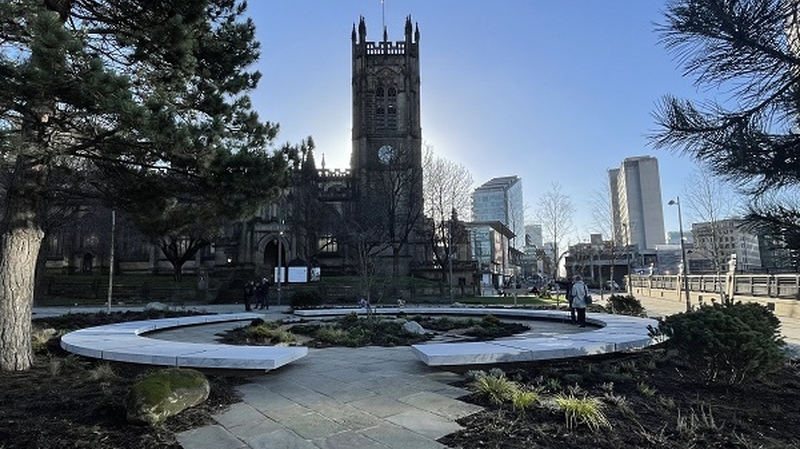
{"points": [[340, 398]]}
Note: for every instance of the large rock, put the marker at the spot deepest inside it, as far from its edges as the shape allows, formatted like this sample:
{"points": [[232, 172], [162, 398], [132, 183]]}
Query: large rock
{"points": [[412, 327], [165, 393]]}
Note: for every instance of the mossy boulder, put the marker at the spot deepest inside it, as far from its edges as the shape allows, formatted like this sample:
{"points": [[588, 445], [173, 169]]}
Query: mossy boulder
{"points": [[165, 393]]}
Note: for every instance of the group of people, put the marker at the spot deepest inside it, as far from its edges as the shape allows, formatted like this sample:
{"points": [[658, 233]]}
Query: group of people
{"points": [[258, 291], [577, 296]]}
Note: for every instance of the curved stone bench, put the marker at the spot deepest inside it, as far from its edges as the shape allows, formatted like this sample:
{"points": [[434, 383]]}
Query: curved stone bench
{"points": [[125, 342], [615, 333]]}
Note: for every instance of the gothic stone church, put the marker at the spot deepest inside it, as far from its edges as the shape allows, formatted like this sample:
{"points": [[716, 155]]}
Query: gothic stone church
{"points": [[331, 218]]}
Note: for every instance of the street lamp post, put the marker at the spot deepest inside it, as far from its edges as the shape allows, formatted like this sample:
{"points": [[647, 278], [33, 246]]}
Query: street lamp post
{"points": [[280, 262], [677, 202]]}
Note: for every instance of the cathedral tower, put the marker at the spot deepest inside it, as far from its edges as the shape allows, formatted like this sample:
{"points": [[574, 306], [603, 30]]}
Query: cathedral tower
{"points": [[386, 117], [386, 160]]}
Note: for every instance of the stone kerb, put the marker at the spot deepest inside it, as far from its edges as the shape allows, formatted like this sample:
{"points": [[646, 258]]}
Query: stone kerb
{"points": [[124, 342], [615, 333]]}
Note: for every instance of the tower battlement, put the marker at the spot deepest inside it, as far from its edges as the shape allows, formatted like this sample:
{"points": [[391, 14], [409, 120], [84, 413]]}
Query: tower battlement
{"points": [[385, 48]]}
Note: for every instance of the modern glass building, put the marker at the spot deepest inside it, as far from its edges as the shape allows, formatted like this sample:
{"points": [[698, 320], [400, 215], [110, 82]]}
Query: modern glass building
{"points": [[500, 199]]}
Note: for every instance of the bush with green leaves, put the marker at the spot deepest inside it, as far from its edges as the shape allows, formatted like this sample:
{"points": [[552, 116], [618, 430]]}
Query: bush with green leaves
{"points": [[731, 343], [305, 299], [625, 305]]}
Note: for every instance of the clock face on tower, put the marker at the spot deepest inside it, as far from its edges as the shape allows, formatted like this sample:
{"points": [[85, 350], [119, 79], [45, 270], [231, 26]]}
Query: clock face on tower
{"points": [[385, 154]]}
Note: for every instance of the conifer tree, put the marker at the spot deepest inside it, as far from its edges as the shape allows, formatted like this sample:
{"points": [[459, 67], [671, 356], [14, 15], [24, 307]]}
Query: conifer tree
{"points": [[747, 53], [142, 105]]}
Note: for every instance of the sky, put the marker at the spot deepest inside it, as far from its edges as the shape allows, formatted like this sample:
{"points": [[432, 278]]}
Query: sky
{"points": [[548, 90]]}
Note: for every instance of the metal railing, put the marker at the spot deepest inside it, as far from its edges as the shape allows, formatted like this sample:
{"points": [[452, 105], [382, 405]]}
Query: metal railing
{"points": [[786, 286]]}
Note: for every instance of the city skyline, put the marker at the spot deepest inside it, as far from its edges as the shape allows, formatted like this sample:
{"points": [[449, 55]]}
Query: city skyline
{"points": [[505, 90]]}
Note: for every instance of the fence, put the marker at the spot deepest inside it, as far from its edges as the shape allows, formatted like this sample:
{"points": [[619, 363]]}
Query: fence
{"points": [[778, 292], [785, 286]]}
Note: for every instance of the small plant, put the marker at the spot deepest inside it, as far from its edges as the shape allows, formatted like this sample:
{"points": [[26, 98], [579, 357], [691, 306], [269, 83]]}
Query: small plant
{"points": [[621, 402], [645, 390], [54, 366], [40, 339], [553, 384], [73, 361], [607, 387], [586, 410], [523, 399], [575, 390], [691, 423], [102, 372], [497, 389]]}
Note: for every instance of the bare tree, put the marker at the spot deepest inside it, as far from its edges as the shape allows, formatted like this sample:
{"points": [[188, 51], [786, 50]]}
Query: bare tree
{"points": [[398, 190], [555, 212], [710, 200], [447, 188]]}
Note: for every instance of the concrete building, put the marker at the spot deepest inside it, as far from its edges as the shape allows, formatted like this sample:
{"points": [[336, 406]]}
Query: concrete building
{"points": [[636, 203], [715, 243], [500, 199]]}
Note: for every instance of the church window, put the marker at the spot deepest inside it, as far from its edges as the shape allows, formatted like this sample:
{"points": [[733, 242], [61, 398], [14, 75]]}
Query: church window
{"points": [[380, 108], [391, 109], [328, 244]]}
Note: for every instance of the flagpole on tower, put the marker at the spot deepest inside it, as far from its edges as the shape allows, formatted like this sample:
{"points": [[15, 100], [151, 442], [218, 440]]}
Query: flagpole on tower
{"points": [[383, 15]]}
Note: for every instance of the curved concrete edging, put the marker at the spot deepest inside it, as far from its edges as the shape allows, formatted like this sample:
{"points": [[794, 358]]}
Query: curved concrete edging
{"points": [[617, 333], [124, 342]]}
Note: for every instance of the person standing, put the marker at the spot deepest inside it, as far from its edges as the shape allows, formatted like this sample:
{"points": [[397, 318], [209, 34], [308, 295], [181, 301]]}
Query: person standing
{"points": [[262, 293], [249, 292], [579, 292], [568, 293]]}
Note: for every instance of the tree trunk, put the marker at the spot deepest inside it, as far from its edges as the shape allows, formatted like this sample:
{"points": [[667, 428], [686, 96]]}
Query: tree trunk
{"points": [[19, 248]]}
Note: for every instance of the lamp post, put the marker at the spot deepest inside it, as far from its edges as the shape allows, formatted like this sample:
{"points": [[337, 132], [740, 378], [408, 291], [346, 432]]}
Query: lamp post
{"points": [[280, 263], [677, 202]]}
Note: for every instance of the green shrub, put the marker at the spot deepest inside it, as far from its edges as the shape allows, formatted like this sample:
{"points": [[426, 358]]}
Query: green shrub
{"points": [[305, 299], [625, 305], [729, 343], [266, 334]]}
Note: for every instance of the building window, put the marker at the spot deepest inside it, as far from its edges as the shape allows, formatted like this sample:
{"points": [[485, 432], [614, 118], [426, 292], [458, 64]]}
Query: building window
{"points": [[328, 244]]}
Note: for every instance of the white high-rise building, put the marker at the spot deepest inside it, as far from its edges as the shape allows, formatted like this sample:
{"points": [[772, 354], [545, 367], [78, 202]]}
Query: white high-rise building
{"points": [[500, 199], [636, 205]]}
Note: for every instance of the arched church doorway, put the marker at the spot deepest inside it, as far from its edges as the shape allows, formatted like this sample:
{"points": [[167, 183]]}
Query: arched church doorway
{"points": [[87, 263], [271, 257]]}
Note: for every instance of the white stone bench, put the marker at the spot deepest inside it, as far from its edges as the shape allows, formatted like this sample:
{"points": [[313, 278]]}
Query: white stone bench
{"points": [[125, 342], [615, 333]]}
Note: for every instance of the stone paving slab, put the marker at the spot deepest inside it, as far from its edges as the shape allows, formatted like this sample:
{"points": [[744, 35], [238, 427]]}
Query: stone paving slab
{"points": [[210, 437], [398, 437]]}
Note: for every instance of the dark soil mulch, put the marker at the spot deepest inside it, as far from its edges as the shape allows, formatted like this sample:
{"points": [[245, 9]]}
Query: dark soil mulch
{"points": [[58, 403], [650, 401]]}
